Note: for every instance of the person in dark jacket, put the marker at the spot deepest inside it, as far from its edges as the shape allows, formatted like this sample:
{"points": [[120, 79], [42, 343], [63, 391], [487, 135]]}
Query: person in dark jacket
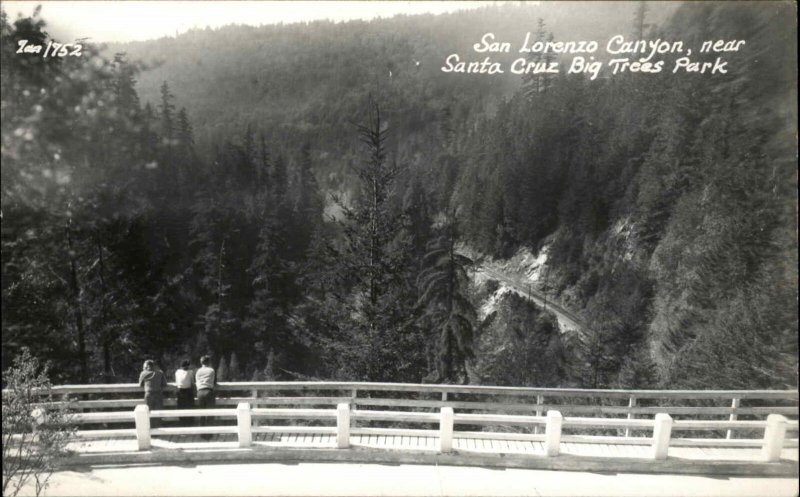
{"points": [[154, 382]]}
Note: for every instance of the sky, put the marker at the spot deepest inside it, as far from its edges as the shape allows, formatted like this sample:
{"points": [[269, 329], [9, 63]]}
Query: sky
{"points": [[117, 21]]}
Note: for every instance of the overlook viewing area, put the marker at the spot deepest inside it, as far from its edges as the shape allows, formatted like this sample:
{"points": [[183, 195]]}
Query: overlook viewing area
{"points": [[649, 431]]}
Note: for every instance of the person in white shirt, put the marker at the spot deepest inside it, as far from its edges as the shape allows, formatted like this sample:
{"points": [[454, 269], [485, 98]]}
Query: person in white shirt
{"points": [[184, 381]]}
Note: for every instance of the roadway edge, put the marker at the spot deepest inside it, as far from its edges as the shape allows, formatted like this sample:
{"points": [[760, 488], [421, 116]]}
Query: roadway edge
{"points": [[457, 458]]}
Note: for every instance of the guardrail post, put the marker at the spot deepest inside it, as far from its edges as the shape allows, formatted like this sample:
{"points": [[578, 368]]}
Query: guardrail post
{"points": [[446, 429], [38, 416], [141, 415], [243, 420], [631, 404], [353, 406], [255, 404], [552, 437], [539, 402], [734, 406], [774, 434], [662, 431], [343, 426]]}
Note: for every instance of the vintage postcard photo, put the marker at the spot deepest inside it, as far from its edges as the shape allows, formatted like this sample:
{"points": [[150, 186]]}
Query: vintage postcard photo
{"points": [[399, 248]]}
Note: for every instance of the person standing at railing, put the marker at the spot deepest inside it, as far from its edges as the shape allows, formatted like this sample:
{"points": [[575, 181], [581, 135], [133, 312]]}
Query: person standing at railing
{"points": [[153, 381], [184, 381], [206, 381]]}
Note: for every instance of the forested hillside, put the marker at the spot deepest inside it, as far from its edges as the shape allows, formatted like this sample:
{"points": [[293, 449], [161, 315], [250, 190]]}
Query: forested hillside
{"points": [[669, 205], [290, 198], [307, 82]]}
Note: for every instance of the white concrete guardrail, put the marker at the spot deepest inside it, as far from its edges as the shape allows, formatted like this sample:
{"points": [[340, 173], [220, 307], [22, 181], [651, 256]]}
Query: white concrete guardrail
{"points": [[775, 427], [552, 416]]}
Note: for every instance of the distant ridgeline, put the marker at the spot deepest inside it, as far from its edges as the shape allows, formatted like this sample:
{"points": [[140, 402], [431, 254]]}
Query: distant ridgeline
{"points": [[186, 209], [307, 80]]}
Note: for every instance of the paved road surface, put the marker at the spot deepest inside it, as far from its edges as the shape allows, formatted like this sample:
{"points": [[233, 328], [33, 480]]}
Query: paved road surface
{"points": [[388, 480]]}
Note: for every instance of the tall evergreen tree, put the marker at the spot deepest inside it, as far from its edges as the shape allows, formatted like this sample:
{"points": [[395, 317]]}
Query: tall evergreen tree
{"points": [[447, 310], [166, 111], [378, 341], [184, 134]]}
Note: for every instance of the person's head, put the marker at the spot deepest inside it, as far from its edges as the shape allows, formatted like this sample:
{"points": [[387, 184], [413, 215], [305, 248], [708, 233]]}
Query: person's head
{"points": [[185, 364], [205, 361], [149, 365]]}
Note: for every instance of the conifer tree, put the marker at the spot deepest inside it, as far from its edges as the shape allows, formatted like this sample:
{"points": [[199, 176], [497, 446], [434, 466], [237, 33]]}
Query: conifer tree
{"points": [[184, 134], [279, 178], [372, 230], [169, 170], [210, 269], [447, 310], [533, 83], [376, 343], [266, 312], [125, 85], [167, 113]]}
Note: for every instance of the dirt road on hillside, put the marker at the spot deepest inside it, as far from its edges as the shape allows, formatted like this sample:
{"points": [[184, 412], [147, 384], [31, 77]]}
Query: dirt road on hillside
{"points": [[567, 320]]}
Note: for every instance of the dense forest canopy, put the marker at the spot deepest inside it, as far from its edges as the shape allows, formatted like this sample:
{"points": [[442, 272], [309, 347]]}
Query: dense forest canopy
{"points": [[296, 201]]}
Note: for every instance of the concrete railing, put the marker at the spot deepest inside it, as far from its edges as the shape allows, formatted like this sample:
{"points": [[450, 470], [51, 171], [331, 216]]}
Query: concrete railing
{"points": [[662, 427], [724, 418]]}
